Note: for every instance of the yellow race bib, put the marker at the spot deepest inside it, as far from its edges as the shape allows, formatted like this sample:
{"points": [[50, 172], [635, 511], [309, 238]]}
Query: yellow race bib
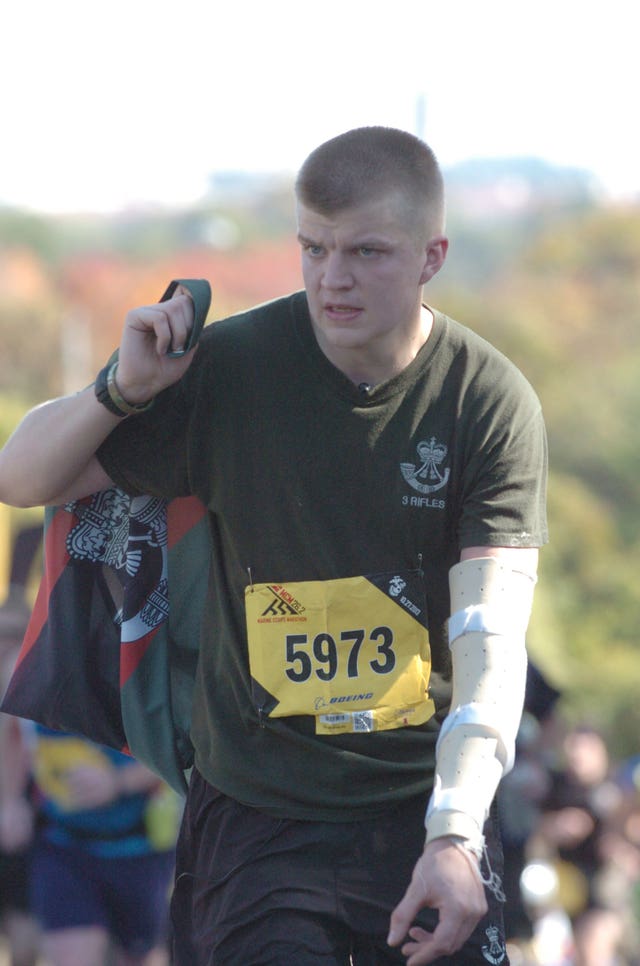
{"points": [[353, 652]]}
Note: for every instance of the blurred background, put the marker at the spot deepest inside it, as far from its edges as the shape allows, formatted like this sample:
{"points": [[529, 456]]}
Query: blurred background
{"points": [[146, 141]]}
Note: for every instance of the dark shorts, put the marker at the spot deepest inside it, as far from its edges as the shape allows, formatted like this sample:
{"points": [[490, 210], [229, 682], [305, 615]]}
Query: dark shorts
{"points": [[261, 891], [128, 897], [14, 869]]}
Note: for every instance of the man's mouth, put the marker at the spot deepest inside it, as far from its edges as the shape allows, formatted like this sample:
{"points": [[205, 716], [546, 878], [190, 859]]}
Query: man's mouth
{"points": [[337, 311]]}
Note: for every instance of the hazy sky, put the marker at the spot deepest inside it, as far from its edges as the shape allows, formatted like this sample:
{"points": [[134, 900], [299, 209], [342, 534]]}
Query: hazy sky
{"points": [[105, 105]]}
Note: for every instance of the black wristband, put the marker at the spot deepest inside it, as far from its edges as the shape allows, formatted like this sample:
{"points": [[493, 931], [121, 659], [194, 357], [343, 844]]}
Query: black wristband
{"points": [[109, 395], [102, 393], [118, 400]]}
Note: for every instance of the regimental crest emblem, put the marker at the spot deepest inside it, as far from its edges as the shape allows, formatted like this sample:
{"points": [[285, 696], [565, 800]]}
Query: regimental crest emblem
{"points": [[428, 475], [495, 952], [129, 535], [102, 529], [396, 586]]}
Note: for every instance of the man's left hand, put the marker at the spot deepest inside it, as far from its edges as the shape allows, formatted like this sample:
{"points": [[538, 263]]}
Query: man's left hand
{"points": [[446, 878]]}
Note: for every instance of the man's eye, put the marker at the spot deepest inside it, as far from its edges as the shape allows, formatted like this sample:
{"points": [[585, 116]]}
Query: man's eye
{"points": [[366, 251], [314, 250]]}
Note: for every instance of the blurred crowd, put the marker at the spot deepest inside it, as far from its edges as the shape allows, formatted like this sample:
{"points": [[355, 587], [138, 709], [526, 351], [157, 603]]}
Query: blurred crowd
{"points": [[85, 831], [570, 818]]}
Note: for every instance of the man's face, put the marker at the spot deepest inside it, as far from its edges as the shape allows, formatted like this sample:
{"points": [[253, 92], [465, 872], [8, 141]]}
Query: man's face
{"points": [[363, 270]]}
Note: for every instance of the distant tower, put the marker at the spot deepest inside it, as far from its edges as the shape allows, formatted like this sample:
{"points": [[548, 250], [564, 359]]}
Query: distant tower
{"points": [[421, 116]]}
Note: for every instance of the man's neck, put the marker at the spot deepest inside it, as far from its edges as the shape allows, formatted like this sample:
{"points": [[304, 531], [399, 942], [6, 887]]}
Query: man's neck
{"points": [[370, 368]]}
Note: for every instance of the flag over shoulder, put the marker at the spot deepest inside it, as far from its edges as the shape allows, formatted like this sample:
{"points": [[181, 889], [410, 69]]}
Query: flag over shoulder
{"points": [[111, 649]]}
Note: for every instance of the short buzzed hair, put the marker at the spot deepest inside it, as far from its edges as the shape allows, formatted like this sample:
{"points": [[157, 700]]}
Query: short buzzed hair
{"points": [[367, 163]]}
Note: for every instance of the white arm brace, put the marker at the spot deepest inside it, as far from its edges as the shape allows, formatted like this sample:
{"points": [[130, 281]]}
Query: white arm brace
{"points": [[491, 605]]}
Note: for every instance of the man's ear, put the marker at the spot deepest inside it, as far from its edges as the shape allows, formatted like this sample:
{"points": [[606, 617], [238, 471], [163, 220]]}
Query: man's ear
{"points": [[435, 254]]}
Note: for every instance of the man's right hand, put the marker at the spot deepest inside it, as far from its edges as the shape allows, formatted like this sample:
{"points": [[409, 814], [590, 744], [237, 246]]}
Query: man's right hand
{"points": [[150, 333]]}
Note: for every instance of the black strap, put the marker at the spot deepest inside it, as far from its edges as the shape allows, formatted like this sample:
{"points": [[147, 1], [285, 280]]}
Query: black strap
{"points": [[200, 291]]}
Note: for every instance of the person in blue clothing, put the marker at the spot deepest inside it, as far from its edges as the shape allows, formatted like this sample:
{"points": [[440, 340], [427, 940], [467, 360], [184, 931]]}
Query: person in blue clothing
{"points": [[17, 926], [87, 833], [103, 853]]}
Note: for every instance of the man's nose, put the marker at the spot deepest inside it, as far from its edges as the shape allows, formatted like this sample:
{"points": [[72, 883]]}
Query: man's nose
{"points": [[337, 273]]}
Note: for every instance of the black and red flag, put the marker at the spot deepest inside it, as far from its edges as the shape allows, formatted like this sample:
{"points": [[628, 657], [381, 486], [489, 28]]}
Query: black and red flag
{"points": [[112, 645]]}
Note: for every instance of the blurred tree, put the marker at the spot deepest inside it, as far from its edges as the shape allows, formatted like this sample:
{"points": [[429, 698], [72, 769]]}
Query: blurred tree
{"points": [[567, 312], [29, 327], [556, 288]]}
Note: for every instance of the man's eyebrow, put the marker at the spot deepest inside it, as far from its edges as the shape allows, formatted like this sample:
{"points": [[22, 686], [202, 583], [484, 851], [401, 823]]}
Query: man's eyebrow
{"points": [[366, 240]]}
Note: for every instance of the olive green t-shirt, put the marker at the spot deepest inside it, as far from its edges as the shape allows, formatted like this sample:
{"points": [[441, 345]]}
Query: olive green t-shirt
{"points": [[308, 478]]}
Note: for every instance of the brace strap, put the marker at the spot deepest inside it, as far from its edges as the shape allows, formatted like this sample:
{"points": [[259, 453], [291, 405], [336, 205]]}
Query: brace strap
{"points": [[487, 619], [490, 718]]}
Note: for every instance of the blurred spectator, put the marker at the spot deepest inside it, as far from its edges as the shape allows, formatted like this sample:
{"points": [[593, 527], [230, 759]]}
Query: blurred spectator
{"points": [[16, 923], [103, 854], [24, 552], [521, 792], [572, 835], [100, 830], [621, 848]]}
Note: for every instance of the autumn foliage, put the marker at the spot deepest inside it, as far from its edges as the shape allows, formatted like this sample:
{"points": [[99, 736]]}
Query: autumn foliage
{"points": [[560, 295], [102, 289]]}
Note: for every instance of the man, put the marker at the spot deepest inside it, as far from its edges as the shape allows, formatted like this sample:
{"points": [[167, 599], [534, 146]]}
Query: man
{"points": [[352, 447]]}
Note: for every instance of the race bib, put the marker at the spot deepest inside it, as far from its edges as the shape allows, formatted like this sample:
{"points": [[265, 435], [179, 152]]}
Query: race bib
{"points": [[353, 653]]}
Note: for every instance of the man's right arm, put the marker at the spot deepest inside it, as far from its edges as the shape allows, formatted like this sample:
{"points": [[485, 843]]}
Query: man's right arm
{"points": [[50, 458]]}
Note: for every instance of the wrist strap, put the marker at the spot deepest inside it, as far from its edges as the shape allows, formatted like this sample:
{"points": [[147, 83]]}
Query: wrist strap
{"points": [[200, 292]]}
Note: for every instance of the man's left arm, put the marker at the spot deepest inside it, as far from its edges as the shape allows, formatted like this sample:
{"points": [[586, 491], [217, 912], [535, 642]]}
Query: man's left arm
{"points": [[491, 598]]}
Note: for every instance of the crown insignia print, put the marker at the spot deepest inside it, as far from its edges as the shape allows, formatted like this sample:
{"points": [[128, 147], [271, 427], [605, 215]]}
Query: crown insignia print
{"points": [[427, 476]]}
